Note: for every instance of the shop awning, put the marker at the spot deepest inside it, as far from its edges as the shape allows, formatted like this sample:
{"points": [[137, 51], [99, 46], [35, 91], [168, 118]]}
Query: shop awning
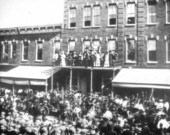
{"points": [[143, 78], [33, 75]]}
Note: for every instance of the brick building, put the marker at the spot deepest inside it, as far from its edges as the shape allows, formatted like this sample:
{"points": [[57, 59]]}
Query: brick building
{"points": [[27, 47], [138, 30]]}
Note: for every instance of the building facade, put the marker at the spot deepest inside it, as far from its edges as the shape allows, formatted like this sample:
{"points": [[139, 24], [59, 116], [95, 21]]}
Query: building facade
{"points": [[119, 33], [137, 30]]}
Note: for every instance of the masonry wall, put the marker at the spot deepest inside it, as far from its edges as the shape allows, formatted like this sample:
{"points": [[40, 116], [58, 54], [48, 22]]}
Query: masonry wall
{"points": [[140, 30], [47, 47]]}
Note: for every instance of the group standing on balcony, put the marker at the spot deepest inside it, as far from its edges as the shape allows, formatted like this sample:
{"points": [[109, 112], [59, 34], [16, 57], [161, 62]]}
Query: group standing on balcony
{"points": [[87, 58]]}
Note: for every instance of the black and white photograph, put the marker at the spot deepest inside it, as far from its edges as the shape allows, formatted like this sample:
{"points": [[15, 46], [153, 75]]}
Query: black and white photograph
{"points": [[84, 67]]}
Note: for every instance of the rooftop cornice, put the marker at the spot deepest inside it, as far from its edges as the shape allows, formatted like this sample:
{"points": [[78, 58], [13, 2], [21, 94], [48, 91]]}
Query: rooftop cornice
{"points": [[31, 29]]}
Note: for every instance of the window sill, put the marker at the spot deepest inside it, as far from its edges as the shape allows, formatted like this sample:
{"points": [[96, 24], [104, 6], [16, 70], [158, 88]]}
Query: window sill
{"points": [[167, 62], [152, 62], [111, 26], [86, 27], [38, 61], [151, 24], [167, 23], [130, 25], [130, 62]]}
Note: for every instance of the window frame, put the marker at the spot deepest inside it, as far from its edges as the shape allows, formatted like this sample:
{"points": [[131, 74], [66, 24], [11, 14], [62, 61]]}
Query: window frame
{"points": [[54, 46], [127, 15], [149, 14], [167, 50], [115, 5], [12, 48], [148, 61], [87, 6], [83, 48], [127, 48], [115, 44], [93, 16], [23, 45], [36, 51], [166, 11], [69, 22], [69, 45], [99, 47]]}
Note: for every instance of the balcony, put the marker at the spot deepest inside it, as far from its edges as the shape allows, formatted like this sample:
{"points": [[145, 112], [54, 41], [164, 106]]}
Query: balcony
{"points": [[88, 64]]}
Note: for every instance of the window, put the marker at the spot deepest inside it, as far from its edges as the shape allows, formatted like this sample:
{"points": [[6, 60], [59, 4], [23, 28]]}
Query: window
{"points": [[72, 18], [111, 45], [168, 11], [56, 46], [96, 45], [71, 46], [130, 13], [151, 55], [168, 51], [14, 50], [86, 45], [25, 51], [112, 14], [130, 50], [96, 16], [151, 15], [87, 16], [5, 52], [39, 50]]}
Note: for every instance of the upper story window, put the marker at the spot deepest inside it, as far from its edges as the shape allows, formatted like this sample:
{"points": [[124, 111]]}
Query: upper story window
{"points": [[72, 17], [86, 45], [25, 46], [13, 50], [71, 46], [168, 12], [130, 13], [96, 15], [57, 46], [5, 52], [151, 12], [39, 50], [151, 51], [87, 16], [111, 45], [168, 51], [112, 14], [96, 45], [130, 50]]}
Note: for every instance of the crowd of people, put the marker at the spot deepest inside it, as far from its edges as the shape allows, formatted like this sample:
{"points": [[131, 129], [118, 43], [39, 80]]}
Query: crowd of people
{"points": [[73, 112], [87, 58]]}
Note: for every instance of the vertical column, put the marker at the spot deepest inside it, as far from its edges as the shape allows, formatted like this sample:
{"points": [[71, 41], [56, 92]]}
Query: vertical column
{"points": [[52, 79], [13, 89], [78, 81], [112, 91], [102, 84], [46, 86], [71, 77], [91, 81]]}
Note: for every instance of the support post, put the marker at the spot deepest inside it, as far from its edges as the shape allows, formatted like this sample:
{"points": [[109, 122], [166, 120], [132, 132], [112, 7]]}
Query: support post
{"points": [[78, 81], [102, 85], [71, 77], [91, 82], [52, 79], [46, 86], [13, 89], [112, 91]]}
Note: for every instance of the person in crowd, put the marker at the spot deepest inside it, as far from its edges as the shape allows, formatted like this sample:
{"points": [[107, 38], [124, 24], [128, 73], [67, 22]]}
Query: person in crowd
{"points": [[106, 59], [63, 59]]}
